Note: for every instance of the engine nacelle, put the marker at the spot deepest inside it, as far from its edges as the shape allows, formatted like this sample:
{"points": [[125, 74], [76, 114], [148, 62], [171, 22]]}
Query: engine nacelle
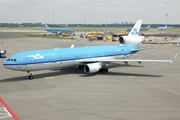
{"points": [[59, 33], [93, 67], [131, 40]]}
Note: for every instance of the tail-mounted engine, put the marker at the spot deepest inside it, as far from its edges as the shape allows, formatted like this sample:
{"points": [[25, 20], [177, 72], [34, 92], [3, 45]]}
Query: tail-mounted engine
{"points": [[131, 40]]}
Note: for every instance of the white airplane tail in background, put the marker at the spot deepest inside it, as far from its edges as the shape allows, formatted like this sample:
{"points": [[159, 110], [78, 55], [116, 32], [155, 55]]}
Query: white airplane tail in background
{"points": [[133, 38], [46, 26], [148, 27], [135, 30]]}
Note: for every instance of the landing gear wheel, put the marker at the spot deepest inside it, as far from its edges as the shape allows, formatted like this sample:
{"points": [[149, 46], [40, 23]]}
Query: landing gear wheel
{"points": [[126, 63], [81, 66], [105, 69], [30, 77]]}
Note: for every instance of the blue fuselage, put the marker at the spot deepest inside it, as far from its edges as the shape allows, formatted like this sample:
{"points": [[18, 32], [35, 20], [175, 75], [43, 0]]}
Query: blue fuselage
{"points": [[46, 59], [60, 30], [129, 29]]}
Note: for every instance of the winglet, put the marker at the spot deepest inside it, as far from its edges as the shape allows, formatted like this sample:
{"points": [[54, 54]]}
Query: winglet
{"points": [[72, 46], [174, 58]]}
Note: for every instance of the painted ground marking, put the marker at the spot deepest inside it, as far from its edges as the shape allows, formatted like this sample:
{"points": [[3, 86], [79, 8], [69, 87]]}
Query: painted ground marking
{"points": [[160, 87], [1, 67], [131, 77], [50, 77], [4, 113], [9, 110]]}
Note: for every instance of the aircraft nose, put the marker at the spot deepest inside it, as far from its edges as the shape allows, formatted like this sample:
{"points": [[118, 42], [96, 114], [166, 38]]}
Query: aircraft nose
{"points": [[6, 65]]}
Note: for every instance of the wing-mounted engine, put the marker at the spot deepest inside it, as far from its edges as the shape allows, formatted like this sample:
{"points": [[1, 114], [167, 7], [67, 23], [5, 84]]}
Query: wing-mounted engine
{"points": [[93, 67], [58, 33], [128, 40]]}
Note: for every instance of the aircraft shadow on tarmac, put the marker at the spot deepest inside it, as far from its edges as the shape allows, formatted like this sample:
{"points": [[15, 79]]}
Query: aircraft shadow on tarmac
{"points": [[75, 70], [122, 74]]}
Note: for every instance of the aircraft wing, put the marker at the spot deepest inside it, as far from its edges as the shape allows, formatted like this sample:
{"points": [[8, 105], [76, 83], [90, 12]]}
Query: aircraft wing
{"points": [[126, 60]]}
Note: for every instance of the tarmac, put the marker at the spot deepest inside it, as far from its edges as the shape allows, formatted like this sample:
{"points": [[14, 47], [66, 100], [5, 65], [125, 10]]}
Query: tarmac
{"points": [[146, 91]]}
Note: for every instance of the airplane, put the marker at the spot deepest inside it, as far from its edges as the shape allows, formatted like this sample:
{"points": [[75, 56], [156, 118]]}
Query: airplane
{"points": [[147, 28], [91, 59], [37, 28], [162, 28], [59, 31]]}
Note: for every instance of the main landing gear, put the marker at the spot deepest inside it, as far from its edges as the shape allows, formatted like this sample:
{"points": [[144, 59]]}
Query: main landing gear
{"points": [[81, 66], [30, 76], [103, 70]]}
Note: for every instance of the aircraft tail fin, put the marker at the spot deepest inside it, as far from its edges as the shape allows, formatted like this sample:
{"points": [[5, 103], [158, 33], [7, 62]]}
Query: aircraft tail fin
{"points": [[166, 26], [135, 30], [148, 26], [46, 26]]}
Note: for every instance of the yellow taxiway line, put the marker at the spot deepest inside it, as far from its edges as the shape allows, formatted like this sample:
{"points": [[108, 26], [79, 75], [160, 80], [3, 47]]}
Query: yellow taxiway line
{"points": [[160, 87]]}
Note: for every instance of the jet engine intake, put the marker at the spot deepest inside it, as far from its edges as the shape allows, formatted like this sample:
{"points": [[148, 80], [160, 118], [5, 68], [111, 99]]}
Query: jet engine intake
{"points": [[131, 40], [93, 67]]}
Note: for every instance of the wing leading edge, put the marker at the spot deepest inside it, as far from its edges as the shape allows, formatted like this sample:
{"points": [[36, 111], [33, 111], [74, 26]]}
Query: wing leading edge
{"points": [[126, 60]]}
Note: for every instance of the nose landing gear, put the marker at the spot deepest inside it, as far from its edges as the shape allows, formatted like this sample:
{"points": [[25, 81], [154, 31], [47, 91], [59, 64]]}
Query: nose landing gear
{"points": [[30, 76]]}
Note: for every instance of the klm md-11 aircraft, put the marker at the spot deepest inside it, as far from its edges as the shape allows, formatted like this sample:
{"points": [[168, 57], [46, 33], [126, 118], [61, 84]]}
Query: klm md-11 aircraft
{"points": [[91, 59], [58, 31]]}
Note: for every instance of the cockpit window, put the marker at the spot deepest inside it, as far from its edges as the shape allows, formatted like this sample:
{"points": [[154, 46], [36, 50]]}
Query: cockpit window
{"points": [[13, 60]]}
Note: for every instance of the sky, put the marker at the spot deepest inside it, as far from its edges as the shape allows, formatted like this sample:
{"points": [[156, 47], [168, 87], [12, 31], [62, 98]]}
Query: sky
{"points": [[89, 11]]}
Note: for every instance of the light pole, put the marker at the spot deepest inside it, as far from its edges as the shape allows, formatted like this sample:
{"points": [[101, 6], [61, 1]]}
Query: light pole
{"points": [[166, 23], [85, 24], [53, 20], [106, 23], [53, 23]]}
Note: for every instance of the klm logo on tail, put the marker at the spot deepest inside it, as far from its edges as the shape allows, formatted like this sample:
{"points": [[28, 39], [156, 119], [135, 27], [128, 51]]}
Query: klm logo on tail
{"points": [[134, 32]]}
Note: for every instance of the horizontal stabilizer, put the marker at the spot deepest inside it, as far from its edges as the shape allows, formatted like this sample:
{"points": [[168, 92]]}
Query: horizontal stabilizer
{"points": [[72, 46], [134, 50]]}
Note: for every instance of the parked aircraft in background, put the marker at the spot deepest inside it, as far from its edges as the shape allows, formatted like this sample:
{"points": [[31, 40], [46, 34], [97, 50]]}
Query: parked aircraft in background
{"points": [[59, 31], [162, 28], [37, 28], [147, 28], [91, 59]]}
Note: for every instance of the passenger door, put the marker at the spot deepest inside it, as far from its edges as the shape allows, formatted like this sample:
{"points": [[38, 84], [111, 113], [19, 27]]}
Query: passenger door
{"points": [[89, 55], [53, 58], [23, 61]]}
